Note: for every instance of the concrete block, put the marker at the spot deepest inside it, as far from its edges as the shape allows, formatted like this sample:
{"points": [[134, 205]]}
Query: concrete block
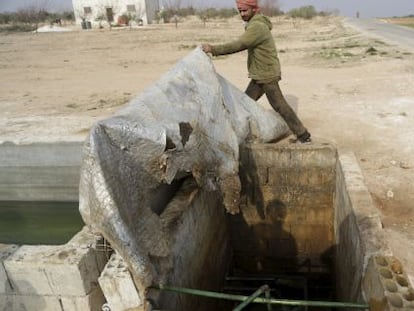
{"points": [[291, 155], [26, 271], [118, 286], [86, 238], [71, 269], [92, 302], [29, 303], [312, 178], [5, 251], [387, 285], [6, 302]]}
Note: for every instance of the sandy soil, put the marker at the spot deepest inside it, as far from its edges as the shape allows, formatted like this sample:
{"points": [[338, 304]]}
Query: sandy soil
{"points": [[55, 85]]}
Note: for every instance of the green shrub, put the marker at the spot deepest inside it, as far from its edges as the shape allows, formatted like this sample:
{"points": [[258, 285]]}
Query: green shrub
{"points": [[211, 13], [271, 11], [33, 16], [6, 18], [306, 12]]}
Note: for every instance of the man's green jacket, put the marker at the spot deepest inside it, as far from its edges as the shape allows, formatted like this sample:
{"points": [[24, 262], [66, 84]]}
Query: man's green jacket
{"points": [[262, 62]]}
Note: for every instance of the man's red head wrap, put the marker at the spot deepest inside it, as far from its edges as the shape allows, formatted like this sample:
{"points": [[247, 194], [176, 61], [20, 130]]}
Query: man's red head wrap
{"points": [[247, 4]]}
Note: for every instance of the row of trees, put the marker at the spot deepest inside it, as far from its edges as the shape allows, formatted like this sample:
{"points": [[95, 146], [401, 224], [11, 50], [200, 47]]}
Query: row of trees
{"points": [[29, 18], [269, 8]]}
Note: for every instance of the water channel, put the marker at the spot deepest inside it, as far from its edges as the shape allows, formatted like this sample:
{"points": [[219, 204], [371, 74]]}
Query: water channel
{"points": [[50, 223]]}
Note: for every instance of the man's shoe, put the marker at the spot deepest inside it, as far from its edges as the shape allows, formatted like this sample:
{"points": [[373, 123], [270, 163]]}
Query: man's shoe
{"points": [[303, 139]]}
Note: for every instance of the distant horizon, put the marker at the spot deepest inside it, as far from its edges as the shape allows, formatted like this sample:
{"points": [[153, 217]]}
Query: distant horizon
{"points": [[350, 8]]}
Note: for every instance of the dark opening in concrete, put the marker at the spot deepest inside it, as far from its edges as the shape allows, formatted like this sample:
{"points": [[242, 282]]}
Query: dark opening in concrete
{"points": [[308, 228], [283, 237]]}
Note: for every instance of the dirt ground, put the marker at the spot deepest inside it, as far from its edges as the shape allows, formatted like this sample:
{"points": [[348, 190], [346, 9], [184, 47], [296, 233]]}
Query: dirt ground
{"points": [[351, 90]]}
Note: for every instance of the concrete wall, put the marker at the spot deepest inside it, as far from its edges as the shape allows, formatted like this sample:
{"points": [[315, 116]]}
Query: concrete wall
{"points": [[51, 278], [40, 171], [200, 253], [304, 202], [198, 256], [365, 267], [287, 210], [300, 202]]}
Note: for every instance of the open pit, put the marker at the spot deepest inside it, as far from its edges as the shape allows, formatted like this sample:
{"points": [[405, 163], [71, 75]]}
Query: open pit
{"points": [[307, 228]]}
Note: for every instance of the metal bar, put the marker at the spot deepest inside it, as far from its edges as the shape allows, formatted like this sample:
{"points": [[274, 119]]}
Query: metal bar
{"points": [[256, 294], [268, 297], [286, 302], [305, 292]]}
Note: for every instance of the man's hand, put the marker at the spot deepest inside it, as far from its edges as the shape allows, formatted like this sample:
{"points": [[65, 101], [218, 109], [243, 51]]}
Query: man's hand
{"points": [[206, 48]]}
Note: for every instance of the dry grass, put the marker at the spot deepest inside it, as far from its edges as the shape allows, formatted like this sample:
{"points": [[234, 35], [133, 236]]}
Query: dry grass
{"points": [[402, 21]]}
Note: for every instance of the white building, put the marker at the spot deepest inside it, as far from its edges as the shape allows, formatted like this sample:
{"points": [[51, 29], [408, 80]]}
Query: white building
{"points": [[99, 12]]}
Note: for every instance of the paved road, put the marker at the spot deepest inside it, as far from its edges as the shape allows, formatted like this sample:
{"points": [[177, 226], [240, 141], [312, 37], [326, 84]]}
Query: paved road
{"points": [[392, 34]]}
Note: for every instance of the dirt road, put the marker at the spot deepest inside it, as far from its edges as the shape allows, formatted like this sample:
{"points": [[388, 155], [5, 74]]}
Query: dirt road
{"points": [[351, 90], [383, 30]]}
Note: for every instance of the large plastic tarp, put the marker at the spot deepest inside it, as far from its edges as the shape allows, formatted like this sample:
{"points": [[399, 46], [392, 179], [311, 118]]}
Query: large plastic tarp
{"points": [[190, 122]]}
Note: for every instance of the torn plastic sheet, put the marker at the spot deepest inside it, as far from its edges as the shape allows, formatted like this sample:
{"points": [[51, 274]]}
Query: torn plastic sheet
{"points": [[190, 122]]}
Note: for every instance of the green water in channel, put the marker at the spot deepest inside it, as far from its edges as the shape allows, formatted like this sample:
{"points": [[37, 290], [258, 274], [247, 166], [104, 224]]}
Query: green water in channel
{"points": [[49, 223]]}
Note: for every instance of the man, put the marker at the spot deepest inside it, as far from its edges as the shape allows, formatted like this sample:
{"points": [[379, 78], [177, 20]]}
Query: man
{"points": [[262, 63]]}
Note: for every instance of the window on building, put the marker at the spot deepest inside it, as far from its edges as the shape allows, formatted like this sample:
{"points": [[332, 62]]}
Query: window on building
{"points": [[109, 14], [131, 8], [87, 10]]}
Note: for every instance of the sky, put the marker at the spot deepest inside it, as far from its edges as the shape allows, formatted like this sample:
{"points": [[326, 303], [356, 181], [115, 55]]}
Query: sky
{"points": [[366, 8]]}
